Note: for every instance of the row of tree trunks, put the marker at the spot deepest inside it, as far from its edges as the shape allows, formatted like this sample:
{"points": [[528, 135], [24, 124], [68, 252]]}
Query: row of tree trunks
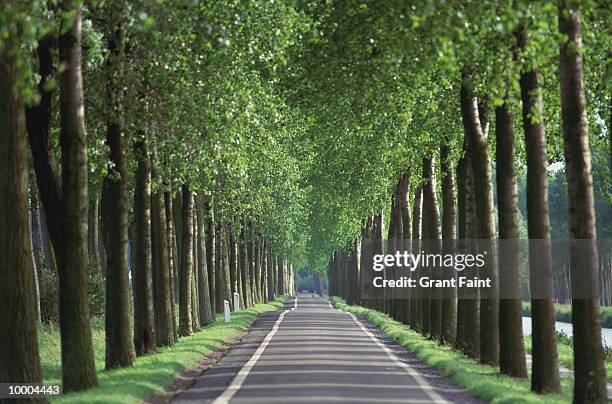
{"points": [[67, 228], [488, 328]]}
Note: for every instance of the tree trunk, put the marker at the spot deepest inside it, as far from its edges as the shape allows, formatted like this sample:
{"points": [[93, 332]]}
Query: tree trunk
{"points": [[66, 211], [545, 364], [253, 253], [590, 375], [406, 239], [431, 233], [35, 226], [164, 326], [46, 242], [142, 272], [511, 347], [233, 266], [170, 232], [205, 301], [244, 267], [416, 318], [278, 271], [270, 271], [94, 236], [119, 344], [468, 321], [185, 320], [378, 248], [211, 253], [226, 287], [219, 269], [394, 242], [101, 248], [177, 219], [263, 265], [449, 218], [195, 299], [19, 359], [365, 258], [481, 165]]}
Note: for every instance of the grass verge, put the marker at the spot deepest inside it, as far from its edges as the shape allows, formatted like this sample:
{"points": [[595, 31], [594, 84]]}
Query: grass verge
{"points": [[150, 373], [482, 381], [565, 352]]}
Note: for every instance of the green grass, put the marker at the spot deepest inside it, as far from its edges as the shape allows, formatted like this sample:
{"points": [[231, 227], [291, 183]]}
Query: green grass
{"points": [[482, 381], [565, 352], [563, 312], [150, 373]]}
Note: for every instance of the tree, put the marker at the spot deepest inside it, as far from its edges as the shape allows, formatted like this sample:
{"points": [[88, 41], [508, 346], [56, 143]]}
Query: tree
{"points": [[163, 306], [65, 196], [432, 304], [144, 327], [205, 302], [19, 359], [185, 279], [545, 364], [449, 218], [590, 375], [476, 128], [511, 346], [119, 344]]}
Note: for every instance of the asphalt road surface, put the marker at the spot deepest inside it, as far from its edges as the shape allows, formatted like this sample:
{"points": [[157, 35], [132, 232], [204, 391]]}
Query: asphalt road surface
{"points": [[313, 353]]}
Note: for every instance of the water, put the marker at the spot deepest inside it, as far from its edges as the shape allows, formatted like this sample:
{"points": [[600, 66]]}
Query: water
{"points": [[606, 333]]}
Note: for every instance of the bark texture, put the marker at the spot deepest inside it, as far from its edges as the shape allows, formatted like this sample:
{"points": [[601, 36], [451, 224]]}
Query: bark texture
{"points": [[204, 299], [449, 218], [211, 253], [511, 346], [19, 359], [186, 262], [65, 200], [590, 375], [164, 326], [119, 344], [545, 363], [475, 127], [142, 271]]}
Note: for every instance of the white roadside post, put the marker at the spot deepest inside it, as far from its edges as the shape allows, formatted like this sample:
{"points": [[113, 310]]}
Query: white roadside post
{"points": [[226, 311], [236, 302]]}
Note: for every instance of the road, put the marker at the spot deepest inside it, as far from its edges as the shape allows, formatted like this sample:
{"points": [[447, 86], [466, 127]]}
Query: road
{"points": [[313, 353]]}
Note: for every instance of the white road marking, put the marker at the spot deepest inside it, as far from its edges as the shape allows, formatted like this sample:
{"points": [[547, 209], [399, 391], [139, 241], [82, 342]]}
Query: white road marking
{"points": [[417, 377], [239, 379]]}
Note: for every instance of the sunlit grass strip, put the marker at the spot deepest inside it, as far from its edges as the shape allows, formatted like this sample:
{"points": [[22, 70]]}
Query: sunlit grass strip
{"points": [[150, 373], [482, 381]]}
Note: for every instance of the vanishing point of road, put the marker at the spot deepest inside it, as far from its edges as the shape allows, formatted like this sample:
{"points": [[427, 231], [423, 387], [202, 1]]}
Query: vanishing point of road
{"points": [[313, 353]]}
